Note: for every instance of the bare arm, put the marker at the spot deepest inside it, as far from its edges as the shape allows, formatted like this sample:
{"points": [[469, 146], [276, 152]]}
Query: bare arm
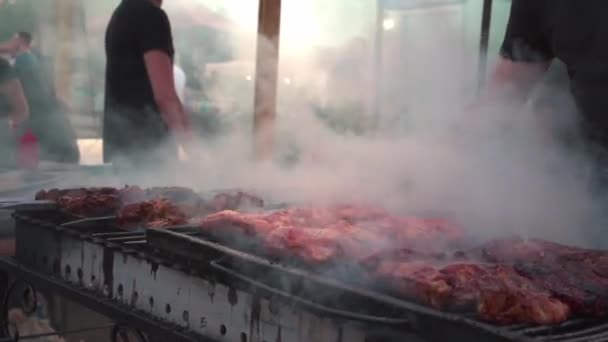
{"points": [[13, 91], [511, 78], [160, 71], [525, 54]]}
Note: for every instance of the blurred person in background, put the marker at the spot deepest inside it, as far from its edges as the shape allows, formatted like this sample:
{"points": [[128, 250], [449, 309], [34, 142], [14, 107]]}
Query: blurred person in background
{"points": [[48, 115], [13, 106], [575, 33], [144, 119]]}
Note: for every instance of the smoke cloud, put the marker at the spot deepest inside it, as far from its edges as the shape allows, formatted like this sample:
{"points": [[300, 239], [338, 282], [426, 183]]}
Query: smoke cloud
{"points": [[498, 168]]}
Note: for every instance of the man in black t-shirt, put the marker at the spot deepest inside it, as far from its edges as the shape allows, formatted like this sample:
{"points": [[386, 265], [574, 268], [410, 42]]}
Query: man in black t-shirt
{"points": [[142, 109], [576, 33]]}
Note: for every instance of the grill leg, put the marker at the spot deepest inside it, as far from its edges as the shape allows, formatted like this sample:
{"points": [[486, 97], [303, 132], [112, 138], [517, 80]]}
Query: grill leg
{"points": [[4, 293]]}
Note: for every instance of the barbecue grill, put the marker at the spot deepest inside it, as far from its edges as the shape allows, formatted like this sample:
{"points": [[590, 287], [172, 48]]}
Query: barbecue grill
{"points": [[175, 284]]}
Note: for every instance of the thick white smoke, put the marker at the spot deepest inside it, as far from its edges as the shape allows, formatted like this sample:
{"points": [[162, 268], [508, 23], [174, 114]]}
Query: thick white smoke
{"points": [[494, 168]]}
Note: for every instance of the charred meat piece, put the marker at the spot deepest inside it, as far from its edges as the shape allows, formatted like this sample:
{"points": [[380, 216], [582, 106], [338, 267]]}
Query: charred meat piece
{"points": [[83, 202], [419, 281], [514, 307], [311, 245], [54, 194], [186, 199], [231, 222], [501, 295], [496, 292], [573, 283], [575, 275], [155, 214], [89, 205]]}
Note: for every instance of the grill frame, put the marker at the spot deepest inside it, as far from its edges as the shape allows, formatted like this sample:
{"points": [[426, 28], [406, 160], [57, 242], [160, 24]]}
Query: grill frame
{"points": [[64, 247], [176, 250]]}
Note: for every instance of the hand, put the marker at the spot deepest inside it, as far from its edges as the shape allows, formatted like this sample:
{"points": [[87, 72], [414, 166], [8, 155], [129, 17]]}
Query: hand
{"points": [[9, 46]]}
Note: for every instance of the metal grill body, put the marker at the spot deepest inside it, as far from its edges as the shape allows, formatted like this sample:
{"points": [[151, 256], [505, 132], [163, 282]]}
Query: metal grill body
{"points": [[120, 267], [166, 279]]}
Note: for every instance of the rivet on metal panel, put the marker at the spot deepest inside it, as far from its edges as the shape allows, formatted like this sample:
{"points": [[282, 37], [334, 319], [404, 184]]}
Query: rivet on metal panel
{"points": [[68, 272], [154, 268], [273, 305], [106, 290], [56, 266], [134, 298], [233, 298], [29, 300]]}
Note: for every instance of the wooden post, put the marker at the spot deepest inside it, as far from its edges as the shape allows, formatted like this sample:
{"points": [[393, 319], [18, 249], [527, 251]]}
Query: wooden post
{"points": [[266, 75], [376, 108], [486, 21], [64, 41]]}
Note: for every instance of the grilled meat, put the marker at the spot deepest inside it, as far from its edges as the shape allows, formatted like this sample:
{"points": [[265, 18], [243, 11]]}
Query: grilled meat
{"points": [[312, 245], [134, 206], [496, 292], [575, 284], [83, 202], [501, 295], [54, 194], [417, 280], [319, 235], [577, 276], [155, 214], [231, 222], [186, 199], [511, 307]]}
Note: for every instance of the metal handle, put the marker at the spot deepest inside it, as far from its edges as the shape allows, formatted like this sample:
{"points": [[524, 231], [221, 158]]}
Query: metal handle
{"points": [[28, 205], [307, 303], [86, 221]]}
